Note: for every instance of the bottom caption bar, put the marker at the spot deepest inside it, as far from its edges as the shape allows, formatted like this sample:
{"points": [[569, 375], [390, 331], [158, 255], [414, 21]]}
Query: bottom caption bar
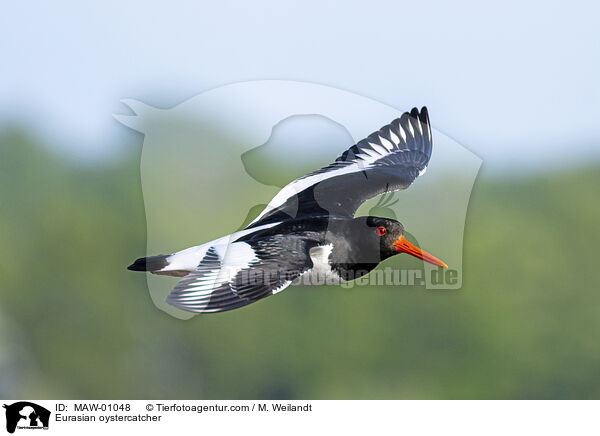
{"points": [[299, 417]]}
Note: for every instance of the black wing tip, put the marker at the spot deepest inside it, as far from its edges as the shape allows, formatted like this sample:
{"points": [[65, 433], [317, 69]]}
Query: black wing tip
{"points": [[421, 115], [421, 119]]}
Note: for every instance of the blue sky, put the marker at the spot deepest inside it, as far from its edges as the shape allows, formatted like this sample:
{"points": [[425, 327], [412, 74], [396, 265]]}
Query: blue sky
{"points": [[515, 82]]}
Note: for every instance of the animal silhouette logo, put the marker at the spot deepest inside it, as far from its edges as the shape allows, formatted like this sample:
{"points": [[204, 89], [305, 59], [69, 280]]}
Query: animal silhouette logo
{"points": [[245, 139], [26, 415], [384, 206]]}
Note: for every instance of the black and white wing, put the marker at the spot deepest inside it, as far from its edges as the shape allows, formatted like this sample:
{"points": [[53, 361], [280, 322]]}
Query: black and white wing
{"points": [[235, 274], [387, 160]]}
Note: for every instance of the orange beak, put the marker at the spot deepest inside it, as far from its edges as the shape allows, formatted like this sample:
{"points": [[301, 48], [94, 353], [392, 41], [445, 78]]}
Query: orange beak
{"points": [[403, 246]]}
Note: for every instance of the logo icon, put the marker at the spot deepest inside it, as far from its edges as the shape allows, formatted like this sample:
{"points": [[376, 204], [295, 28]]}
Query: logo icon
{"points": [[26, 415], [254, 137]]}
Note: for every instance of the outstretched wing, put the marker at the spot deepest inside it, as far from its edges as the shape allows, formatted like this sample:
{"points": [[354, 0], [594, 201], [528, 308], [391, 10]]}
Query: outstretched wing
{"points": [[387, 160], [239, 273]]}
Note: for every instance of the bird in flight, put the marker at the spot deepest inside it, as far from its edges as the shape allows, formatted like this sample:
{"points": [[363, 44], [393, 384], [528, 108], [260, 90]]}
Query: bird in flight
{"points": [[308, 234]]}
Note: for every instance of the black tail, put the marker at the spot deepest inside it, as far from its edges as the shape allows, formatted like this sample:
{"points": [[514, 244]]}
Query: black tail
{"points": [[152, 263]]}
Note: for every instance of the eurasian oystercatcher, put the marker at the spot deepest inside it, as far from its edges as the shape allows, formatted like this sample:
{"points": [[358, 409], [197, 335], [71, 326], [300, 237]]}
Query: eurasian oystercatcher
{"points": [[308, 234]]}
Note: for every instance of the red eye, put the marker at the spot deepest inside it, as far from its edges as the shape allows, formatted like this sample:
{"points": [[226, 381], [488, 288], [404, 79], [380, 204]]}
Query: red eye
{"points": [[381, 231]]}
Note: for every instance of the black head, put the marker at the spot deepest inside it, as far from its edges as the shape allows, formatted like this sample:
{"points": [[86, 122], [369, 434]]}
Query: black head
{"points": [[374, 239]]}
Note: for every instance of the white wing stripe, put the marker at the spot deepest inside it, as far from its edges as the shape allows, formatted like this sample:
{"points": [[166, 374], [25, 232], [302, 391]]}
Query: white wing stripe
{"points": [[233, 257], [410, 128], [358, 158], [402, 133], [381, 150], [301, 184], [190, 258], [386, 143], [372, 153], [282, 287]]}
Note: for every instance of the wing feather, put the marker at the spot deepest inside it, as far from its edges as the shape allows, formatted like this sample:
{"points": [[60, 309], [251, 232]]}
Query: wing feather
{"points": [[387, 160], [240, 273]]}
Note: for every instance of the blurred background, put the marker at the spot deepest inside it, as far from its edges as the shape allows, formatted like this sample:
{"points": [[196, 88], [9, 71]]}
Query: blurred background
{"points": [[516, 83]]}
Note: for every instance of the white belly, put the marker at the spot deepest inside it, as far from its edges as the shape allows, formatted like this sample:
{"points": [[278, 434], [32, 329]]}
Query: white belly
{"points": [[321, 273]]}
